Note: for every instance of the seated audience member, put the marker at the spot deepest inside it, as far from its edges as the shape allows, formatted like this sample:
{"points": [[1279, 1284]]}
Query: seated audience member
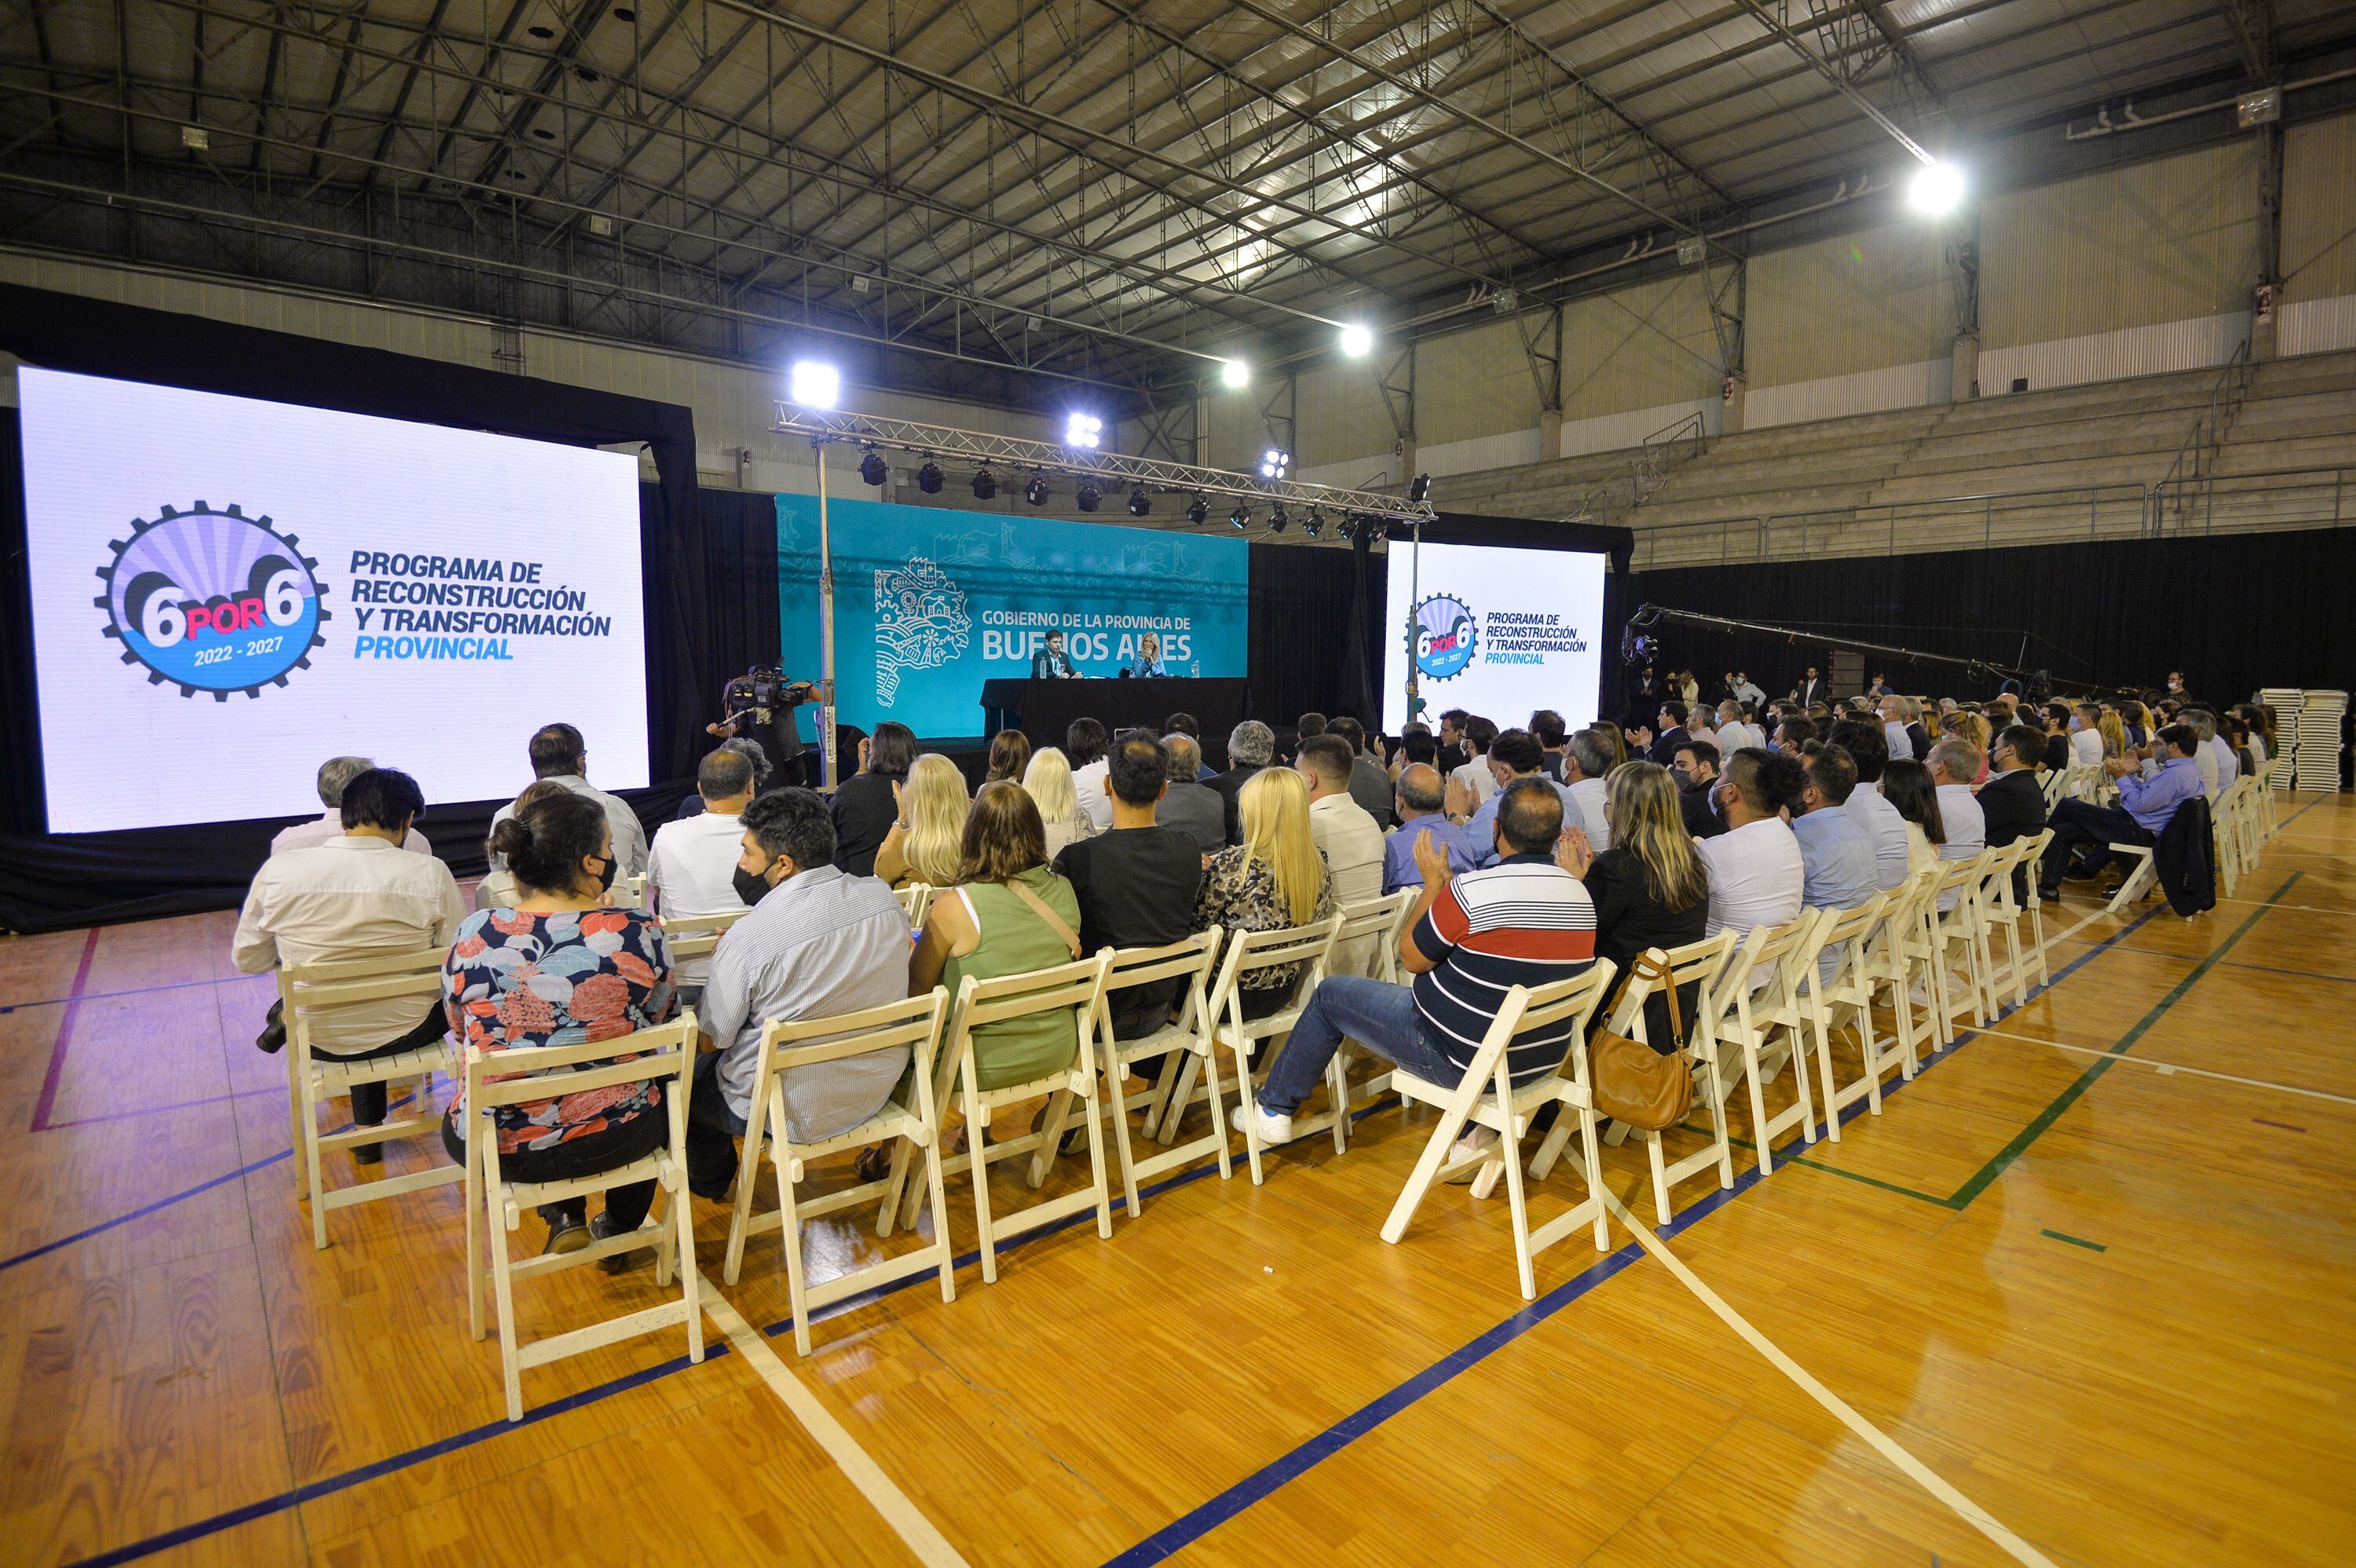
{"points": [[356, 896], [1308, 727], [1694, 773], [1191, 807], [1186, 724], [558, 969], [1275, 878], [2058, 749], [1966, 728], [1547, 725], [1136, 882], [1251, 746], [2114, 729], [498, 888], [2086, 736], [1008, 916], [1907, 786], [1343, 830], [1756, 875], [1523, 922], [2215, 759], [2147, 802], [1515, 755], [1866, 744], [1370, 785], [755, 758], [926, 842], [559, 755], [2010, 802], [867, 803], [1651, 888], [1470, 783], [1735, 730], [1048, 782], [2235, 735], [1417, 744], [1586, 760], [1917, 740], [1673, 734], [1614, 740], [2252, 718], [818, 943], [1839, 866], [1084, 748], [334, 774], [1453, 754], [1010, 754], [1952, 765], [1793, 734], [1420, 819], [692, 870]]}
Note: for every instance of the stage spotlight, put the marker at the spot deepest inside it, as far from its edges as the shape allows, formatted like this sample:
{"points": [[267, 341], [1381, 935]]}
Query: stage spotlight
{"points": [[1274, 463], [1936, 189], [1313, 524], [1089, 495], [1349, 527], [1083, 430], [872, 469], [814, 385], [929, 478], [985, 485], [1197, 509], [1035, 492], [1140, 503], [1276, 518], [1233, 373], [1357, 340], [1417, 488], [1240, 517]]}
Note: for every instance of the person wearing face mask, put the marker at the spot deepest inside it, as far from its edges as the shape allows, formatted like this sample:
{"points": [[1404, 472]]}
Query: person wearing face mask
{"points": [[2087, 736], [555, 968], [1755, 870], [818, 943], [1694, 772]]}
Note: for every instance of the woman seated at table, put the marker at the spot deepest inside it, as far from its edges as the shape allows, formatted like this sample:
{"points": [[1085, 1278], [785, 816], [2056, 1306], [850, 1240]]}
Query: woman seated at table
{"points": [[1147, 663], [1008, 915], [924, 844], [1275, 879], [556, 967], [1048, 782]]}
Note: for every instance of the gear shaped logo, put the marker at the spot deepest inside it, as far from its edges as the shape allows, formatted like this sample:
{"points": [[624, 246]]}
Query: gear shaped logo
{"points": [[1445, 639], [213, 601]]}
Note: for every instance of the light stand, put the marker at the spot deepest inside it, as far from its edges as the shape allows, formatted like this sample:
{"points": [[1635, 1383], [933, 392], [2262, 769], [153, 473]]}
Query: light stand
{"points": [[829, 762]]}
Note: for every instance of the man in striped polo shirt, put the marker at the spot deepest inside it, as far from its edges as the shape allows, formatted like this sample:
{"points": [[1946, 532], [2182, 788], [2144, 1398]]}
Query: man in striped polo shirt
{"points": [[1522, 922]]}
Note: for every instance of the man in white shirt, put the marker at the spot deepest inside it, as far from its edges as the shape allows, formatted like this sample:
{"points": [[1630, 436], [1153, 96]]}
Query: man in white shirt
{"points": [[1869, 748], [561, 756], [1756, 875], [356, 896], [692, 870], [2087, 736], [1085, 747], [334, 774], [1954, 764], [1747, 693], [1471, 786], [2219, 767], [1586, 759], [1348, 833], [1893, 730], [1734, 730]]}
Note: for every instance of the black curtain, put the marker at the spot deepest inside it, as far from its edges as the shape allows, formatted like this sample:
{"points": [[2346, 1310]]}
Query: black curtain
{"points": [[49, 880], [2234, 612], [1311, 638], [740, 606]]}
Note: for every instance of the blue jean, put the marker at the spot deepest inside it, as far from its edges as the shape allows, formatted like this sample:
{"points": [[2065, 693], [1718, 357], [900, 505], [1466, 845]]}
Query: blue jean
{"points": [[1376, 1014]]}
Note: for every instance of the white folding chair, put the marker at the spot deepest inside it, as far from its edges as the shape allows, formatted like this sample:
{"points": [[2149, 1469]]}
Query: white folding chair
{"points": [[1701, 965], [1767, 1026], [1847, 997], [910, 1123], [2008, 915], [1485, 1096], [1078, 988], [630, 892], [916, 902], [1248, 953], [2142, 879], [661, 1055], [1371, 928], [695, 936], [315, 1077], [1959, 934], [2055, 784]]}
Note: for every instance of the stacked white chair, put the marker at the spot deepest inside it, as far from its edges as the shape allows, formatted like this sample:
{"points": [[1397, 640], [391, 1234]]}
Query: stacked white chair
{"points": [[910, 1123], [1486, 1097]]}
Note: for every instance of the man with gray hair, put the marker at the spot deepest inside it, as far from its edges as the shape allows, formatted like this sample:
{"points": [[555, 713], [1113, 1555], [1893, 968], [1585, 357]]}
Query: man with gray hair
{"points": [[1250, 747], [334, 774], [2219, 767], [1192, 807], [1586, 759], [691, 868], [1420, 793]]}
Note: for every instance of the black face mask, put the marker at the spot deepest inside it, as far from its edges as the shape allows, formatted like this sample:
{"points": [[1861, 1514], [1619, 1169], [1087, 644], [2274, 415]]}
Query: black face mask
{"points": [[606, 876], [751, 886]]}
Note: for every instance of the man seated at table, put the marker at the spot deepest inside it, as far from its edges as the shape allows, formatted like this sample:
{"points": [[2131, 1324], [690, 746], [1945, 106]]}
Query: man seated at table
{"points": [[1420, 796], [2083, 832], [357, 896], [1523, 921], [1051, 663], [819, 942]]}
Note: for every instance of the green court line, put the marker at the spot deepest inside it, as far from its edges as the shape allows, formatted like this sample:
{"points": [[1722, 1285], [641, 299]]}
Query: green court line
{"points": [[1986, 1175], [2076, 1242]]}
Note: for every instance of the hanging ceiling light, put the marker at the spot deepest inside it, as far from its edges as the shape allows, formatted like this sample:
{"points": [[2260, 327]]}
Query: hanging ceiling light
{"points": [[929, 478], [1277, 521], [1083, 430], [985, 485], [1313, 524], [1140, 503], [1240, 517], [1274, 463], [872, 469], [1357, 340], [1035, 492], [1233, 373], [1198, 509], [1936, 189], [1089, 495]]}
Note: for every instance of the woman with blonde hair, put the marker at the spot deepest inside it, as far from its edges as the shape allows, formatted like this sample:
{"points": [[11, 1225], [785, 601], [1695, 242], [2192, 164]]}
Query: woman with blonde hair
{"points": [[1275, 879], [1048, 782], [1651, 888], [923, 844], [1969, 727], [2114, 733]]}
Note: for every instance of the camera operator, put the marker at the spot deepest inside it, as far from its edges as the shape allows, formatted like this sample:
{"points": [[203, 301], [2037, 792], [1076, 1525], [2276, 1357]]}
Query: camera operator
{"points": [[759, 705]]}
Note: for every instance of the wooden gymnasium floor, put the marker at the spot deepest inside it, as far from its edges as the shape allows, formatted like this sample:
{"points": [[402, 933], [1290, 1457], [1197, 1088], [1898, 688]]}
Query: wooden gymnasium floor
{"points": [[2088, 1280]]}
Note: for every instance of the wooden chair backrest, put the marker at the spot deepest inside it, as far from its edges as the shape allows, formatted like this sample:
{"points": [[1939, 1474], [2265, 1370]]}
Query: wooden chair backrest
{"points": [[1373, 917], [1075, 985], [1529, 1007], [666, 1051], [915, 1022], [1251, 951], [695, 936], [915, 900], [306, 990]]}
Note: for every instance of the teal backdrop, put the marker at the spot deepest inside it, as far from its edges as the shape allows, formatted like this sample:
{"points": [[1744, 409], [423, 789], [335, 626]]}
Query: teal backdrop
{"points": [[931, 602]]}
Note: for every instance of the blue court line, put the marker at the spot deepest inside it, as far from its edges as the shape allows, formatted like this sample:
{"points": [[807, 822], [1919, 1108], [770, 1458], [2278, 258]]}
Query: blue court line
{"points": [[133, 991], [2242, 964], [1188, 1528]]}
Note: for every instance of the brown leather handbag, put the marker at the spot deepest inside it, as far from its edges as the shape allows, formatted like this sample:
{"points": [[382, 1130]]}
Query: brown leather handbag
{"points": [[1633, 1082]]}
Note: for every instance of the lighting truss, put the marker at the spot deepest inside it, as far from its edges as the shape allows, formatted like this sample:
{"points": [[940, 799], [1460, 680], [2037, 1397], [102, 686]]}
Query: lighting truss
{"points": [[1012, 452]]}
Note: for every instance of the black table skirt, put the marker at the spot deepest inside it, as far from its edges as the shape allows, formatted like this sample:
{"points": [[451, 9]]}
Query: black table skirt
{"points": [[1044, 710]]}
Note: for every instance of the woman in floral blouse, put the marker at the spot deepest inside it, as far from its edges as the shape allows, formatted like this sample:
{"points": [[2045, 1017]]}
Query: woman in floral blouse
{"points": [[558, 968], [1275, 879]]}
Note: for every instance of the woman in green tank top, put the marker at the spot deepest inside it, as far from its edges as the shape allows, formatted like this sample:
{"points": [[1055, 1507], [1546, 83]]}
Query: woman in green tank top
{"points": [[985, 928]]}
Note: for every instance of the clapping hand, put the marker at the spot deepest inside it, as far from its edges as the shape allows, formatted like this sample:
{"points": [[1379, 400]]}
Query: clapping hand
{"points": [[1431, 859], [1640, 737], [1573, 853], [862, 754]]}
